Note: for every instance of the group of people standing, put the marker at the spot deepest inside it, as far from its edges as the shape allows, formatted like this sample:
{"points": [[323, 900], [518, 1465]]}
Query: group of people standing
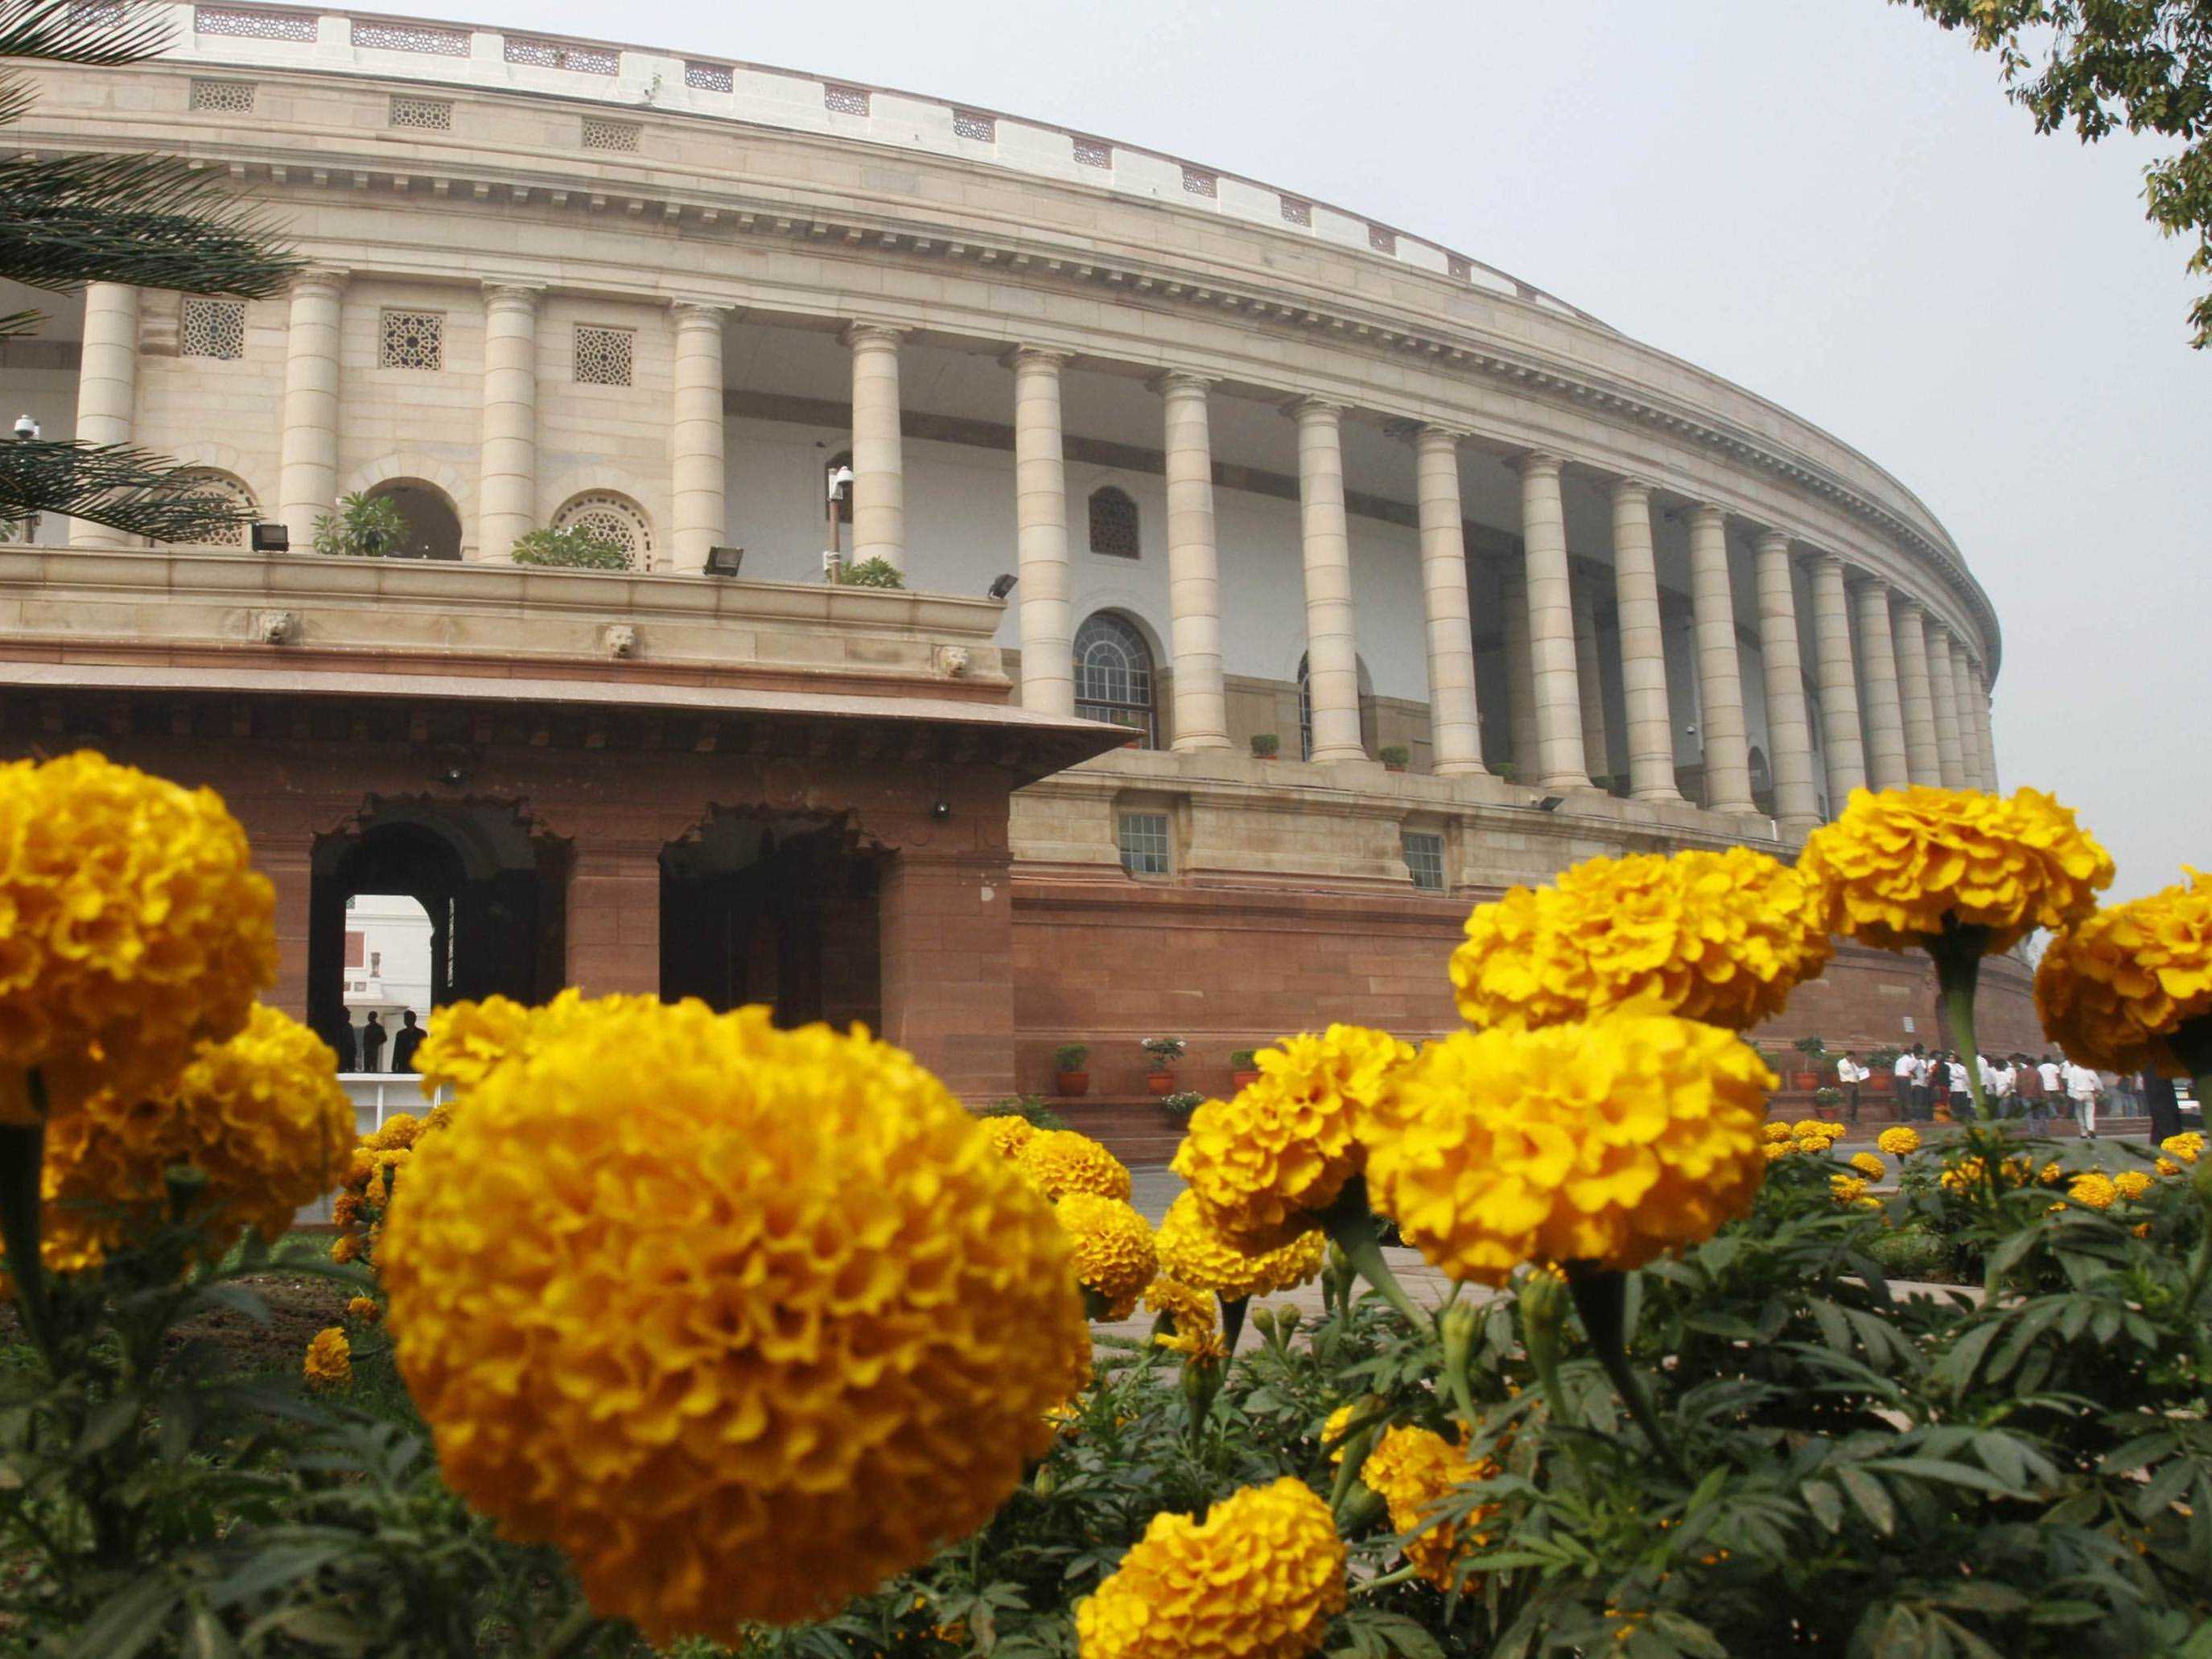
{"points": [[2040, 1090], [362, 1049]]}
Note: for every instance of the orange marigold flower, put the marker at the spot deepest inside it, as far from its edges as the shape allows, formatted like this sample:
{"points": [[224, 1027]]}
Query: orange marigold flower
{"points": [[1193, 1251], [2114, 988], [1115, 1260], [329, 1361], [1058, 1162], [1898, 1140], [1413, 1469], [1009, 1133]]}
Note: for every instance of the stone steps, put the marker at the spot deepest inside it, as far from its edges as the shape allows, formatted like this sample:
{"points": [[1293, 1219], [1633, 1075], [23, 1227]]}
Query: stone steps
{"points": [[1134, 1127]]}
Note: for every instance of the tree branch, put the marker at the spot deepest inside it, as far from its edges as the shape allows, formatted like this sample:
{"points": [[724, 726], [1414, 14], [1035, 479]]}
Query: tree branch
{"points": [[124, 487]]}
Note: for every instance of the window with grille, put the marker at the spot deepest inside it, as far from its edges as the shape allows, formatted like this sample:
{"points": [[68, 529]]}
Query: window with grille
{"points": [[1090, 153], [413, 339], [611, 518], [213, 328], [846, 100], [255, 23], [1197, 181], [1381, 241], [220, 490], [548, 54], [431, 115], [223, 97], [1425, 858], [1296, 212], [411, 37], [708, 77], [1113, 524], [610, 135], [1114, 674], [968, 124], [604, 355], [1143, 839]]}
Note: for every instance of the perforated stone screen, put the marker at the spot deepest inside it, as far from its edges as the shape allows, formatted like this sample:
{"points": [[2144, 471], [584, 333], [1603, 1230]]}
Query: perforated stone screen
{"points": [[549, 54], [846, 100], [1197, 181], [611, 518], [610, 135], [213, 328], [1297, 212], [223, 97], [604, 355], [430, 114], [413, 339], [968, 124], [411, 37], [255, 25], [1090, 153], [708, 77]]}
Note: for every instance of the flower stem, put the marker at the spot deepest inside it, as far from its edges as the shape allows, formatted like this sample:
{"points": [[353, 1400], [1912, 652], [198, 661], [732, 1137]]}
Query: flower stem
{"points": [[1958, 952], [1601, 1299], [1349, 1226], [1232, 1319], [23, 1158], [1388, 1580]]}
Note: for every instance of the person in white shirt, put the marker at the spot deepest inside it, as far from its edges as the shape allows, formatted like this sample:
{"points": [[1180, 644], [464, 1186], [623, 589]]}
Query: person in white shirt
{"points": [[2082, 1087], [2002, 1082], [1959, 1079], [1912, 1082], [2054, 1084], [1851, 1074]]}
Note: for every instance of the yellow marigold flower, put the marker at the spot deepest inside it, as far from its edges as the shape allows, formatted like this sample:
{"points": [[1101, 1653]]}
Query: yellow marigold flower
{"points": [[2050, 1174], [1412, 1470], [2094, 1189], [1777, 1150], [1193, 1251], [346, 1247], [133, 929], [1332, 1431], [1264, 1163], [1057, 1162], [1869, 1166], [1815, 1145], [1199, 1343], [1847, 1188], [1259, 1578], [742, 1343], [463, 1041], [2131, 1183], [363, 1310], [1777, 1131], [261, 1117], [1188, 1307], [1970, 1174], [2188, 1147], [2113, 988], [2166, 1166], [1896, 866], [1114, 1256], [329, 1362], [1609, 1142], [1898, 1141], [1718, 937], [1009, 1133], [1817, 1128]]}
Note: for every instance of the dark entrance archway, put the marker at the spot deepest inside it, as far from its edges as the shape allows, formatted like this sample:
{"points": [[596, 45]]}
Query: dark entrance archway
{"points": [[492, 890], [776, 910], [434, 527]]}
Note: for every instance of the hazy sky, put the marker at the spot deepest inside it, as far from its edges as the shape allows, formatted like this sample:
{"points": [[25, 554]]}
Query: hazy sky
{"points": [[1828, 201]]}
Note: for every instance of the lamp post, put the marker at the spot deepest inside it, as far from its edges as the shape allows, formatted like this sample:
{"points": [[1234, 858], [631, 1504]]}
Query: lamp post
{"points": [[840, 481], [27, 431]]}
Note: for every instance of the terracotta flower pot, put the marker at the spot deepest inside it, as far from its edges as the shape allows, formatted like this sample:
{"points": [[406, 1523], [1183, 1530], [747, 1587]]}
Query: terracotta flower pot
{"points": [[1073, 1083], [1160, 1082], [1243, 1079], [1804, 1082]]}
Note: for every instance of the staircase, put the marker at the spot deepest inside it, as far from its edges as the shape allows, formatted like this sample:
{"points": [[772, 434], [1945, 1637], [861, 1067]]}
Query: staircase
{"points": [[1134, 1127]]}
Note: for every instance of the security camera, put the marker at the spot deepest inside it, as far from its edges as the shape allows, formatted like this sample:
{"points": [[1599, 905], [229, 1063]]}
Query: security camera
{"points": [[26, 427], [841, 480]]}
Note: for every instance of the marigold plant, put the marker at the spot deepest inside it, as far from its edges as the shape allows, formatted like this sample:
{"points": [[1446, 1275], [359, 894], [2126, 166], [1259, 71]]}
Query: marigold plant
{"points": [[1265, 1163], [1719, 936], [1412, 1469], [1115, 1260], [2094, 1189], [2115, 989], [741, 1343], [1259, 1578], [1009, 1133], [1608, 1142], [2187, 1146], [328, 1363], [1898, 1141], [1184, 1306], [260, 1119], [1192, 1251], [1869, 1166], [1058, 1162], [1900, 868], [132, 928]]}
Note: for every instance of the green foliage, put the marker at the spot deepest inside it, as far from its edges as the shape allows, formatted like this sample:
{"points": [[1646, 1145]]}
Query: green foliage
{"points": [[1393, 754], [872, 573], [1070, 1056], [1242, 1060], [2142, 66], [1182, 1103], [1811, 1047], [570, 547], [1032, 1107], [363, 527], [1265, 745]]}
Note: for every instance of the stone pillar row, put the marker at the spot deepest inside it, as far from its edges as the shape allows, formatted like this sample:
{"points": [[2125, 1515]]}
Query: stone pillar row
{"points": [[1902, 698]]}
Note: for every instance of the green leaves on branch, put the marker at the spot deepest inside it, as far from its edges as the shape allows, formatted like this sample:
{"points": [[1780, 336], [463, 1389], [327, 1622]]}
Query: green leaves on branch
{"points": [[126, 488]]}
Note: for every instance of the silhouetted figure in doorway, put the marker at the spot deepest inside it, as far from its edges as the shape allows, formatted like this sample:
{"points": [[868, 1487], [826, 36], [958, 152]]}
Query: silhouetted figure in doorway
{"points": [[372, 1044], [405, 1042]]}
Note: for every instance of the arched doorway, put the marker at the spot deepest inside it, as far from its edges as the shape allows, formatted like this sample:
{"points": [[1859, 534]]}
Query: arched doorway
{"points": [[776, 910], [491, 891], [433, 528]]}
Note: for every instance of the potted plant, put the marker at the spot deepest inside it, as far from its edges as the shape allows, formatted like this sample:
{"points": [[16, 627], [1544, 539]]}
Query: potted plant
{"points": [[1394, 757], [363, 527], [1814, 1050], [1243, 1067], [1163, 1052], [1265, 745], [1881, 1065], [1182, 1103], [1068, 1074], [1826, 1099]]}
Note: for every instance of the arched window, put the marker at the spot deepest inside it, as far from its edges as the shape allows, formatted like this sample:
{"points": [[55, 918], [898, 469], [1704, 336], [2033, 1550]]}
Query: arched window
{"points": [[1305, 708], [1113, 524], [225, 491], [1114, 674], [1762, 782], [433, 528], [611, 518]]}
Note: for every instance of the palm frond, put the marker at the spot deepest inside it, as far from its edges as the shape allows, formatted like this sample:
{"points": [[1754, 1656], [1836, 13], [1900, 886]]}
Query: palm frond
{"points": [[125, 488], [100, 33], [153, 221]]}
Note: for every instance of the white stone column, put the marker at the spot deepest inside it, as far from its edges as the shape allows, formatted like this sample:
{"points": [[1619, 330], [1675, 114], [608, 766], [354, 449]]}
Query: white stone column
{"points": [[1838, 681], [879, 467], [1589, 678], [1888, 765], [1643, 646], [107, 387], [1984, 727], [698, 481], [1720, 676], [1455, 725], [1962, 697], [506, 487], [1788, 728], [1950, 753], [1202, 703], [1332, 637], [1047, 622], [1560, 760], [307, 478], [1520, 678], [1916, 693]]}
